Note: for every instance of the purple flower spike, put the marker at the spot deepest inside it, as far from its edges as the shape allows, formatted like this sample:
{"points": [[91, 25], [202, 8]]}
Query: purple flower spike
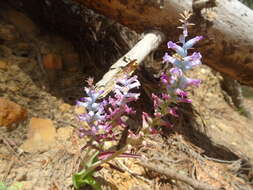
{"points": [[122, 96], [181, 63], [95, 112]]}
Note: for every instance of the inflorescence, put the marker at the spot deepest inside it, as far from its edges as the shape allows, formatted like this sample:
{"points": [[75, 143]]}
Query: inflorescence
{"points": [[103, 117]]}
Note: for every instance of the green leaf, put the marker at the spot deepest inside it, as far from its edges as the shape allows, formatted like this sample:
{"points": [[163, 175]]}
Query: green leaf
{"points": [[2, 186], [93, 159], [16, 186], [92, 182], [79, 179]]}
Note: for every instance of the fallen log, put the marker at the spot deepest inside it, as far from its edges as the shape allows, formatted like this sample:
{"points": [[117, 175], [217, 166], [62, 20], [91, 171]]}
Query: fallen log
{"points": [[226, 25]]}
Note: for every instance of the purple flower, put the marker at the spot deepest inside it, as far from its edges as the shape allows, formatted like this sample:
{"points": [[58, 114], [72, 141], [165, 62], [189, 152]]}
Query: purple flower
{"points": [[182, 96], [176, 73], [165, 96], [186, 63], [122, 88], [181, 93], [100, 129], [168, 58], [173, 111], [157, 101], [164, 78], [191, 61], [184, 82], [126, 84], [92, 93], [192, 42], [146, 124], [181, 51]]}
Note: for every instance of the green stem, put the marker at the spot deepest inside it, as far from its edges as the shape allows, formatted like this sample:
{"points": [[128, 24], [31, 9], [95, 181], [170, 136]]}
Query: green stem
{"points": [[95, 165]]}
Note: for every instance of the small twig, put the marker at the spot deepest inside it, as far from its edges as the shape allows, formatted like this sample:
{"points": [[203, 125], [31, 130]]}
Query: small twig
{"points": [[173, 174], [68, 123], [124, 167], [193, 171], [56, 184], [8, 169], [11, 149], [167, 161], [221, 161], [209, 174]]}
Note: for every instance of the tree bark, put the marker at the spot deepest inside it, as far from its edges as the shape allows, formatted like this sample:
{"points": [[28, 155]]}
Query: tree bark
{"points": [[226, 25]]}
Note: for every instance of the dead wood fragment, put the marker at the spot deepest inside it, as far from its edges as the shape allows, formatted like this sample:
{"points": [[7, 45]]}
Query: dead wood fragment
{"points": [[138, 53], [173, 174]]}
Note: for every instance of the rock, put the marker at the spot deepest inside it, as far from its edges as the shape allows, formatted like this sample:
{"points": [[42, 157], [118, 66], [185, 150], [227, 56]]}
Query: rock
{"points": [[11, 113], [3, 65], [8, 33], [41, 136], [52, 61]]}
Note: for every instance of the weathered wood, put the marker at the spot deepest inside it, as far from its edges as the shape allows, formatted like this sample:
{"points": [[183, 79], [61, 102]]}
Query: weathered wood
{"points": [[144, 47], [227, 28]]}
